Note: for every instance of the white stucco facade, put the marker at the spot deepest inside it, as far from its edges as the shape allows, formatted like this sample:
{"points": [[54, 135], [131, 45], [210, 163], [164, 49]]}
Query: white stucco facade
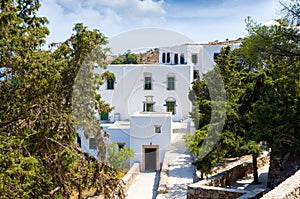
{"points": [[129, 94], [151, 105]]}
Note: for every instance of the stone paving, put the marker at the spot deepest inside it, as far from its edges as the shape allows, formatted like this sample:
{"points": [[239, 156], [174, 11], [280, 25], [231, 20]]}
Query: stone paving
{"points": [[246, 182], [181, 173], [144, 186]]}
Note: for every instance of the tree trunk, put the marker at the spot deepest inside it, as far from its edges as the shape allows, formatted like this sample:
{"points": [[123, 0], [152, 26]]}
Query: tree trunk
{"points": [[202, 176], [255, 172]]}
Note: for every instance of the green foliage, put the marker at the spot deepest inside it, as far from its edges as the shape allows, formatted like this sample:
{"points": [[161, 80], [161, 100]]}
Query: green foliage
{"points": [[39, 158], [117, 157], [128, 58], [262, 95], [208, 144]]}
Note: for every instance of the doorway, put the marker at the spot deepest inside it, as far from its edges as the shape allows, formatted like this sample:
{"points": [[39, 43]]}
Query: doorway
{"points": [[150, 160]]}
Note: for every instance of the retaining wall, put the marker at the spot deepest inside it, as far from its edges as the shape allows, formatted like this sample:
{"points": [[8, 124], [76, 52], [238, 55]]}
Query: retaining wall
{"points": [[214, 187], [290, 188]]}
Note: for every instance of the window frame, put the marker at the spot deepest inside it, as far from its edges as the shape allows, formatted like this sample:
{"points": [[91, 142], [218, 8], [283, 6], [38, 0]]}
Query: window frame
{"points": [[176, 58], [121, 145], [148, 105], [163, 57], [148, 82], [170, 84], [168, 57], [194, 55], [182, 59], [171, 105], [104, 116], [157, 128], [92, 144], [110, 84]]}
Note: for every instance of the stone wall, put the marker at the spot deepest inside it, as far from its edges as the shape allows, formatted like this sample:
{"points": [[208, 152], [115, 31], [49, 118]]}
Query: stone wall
{"points": [[290, 188], [282, 167], [215, 186]]}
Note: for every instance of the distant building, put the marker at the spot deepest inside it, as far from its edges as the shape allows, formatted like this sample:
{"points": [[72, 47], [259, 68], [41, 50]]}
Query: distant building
{"points": [[151, 105]]}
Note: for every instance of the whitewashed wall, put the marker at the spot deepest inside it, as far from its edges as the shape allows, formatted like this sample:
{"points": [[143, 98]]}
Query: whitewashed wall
{"points": [[129, 94], [118, 133], [142, 132]]}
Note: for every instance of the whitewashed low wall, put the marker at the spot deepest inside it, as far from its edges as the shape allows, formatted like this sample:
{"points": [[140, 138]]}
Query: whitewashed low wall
{"points": [[131, 175], [162, 186]]}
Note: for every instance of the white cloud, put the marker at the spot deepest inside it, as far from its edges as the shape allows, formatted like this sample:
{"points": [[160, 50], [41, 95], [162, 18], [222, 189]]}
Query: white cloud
{"points": [[220, 19], [110, 16]]}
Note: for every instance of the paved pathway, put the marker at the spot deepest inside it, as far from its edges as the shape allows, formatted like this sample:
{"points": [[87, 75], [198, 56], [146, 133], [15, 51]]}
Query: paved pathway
{"points": [[181, 172], [246, 182], [144, 186]]}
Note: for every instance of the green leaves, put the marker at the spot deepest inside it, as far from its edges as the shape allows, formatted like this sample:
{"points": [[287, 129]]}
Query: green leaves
{"points": [[117, 157], [128, 58], [39, 158]]}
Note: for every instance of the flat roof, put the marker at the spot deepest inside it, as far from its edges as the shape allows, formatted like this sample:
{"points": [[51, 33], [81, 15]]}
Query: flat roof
{"points": [[141, 65], [152, 114], [117, 125]]}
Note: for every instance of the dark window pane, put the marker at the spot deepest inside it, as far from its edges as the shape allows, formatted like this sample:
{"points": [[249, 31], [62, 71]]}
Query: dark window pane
{"points": [[168, 58], [148, 83], [164, 58], [93, 143], [194, 58], [79, 140], [104, 116], [196, 74], [149, 107], [171, 107], [110, 84], [176, 59], [157, 129], [216, 55], [171, 83], [182, 59]]}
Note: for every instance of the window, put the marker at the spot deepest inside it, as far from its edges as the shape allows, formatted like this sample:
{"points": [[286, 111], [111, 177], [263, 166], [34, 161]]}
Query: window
{"points": [[157, 128], [121, 145], [148, 107], [171, 83], [171, 104], [194, 58], [182, 58], [196, 74], [171, 107], [93, 143], [168, 58], [79, 140], [176, 59], [216, 55], [104, 116], [148, 104], [148, 82], [110, 84], [164, 58]]}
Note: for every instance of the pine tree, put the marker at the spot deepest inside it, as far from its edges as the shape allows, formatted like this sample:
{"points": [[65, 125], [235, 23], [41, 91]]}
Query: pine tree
{"points": [[39, 157]]}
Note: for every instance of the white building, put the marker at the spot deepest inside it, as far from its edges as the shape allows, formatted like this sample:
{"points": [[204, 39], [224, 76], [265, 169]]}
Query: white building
{"points": [[151, 105]]}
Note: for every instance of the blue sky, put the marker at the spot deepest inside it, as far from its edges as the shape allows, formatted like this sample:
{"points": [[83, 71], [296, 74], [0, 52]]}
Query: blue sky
{"points": [[201, 20]]}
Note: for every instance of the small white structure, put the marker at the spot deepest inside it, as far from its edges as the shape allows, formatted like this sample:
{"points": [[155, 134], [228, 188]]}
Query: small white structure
{"points": [[151, 105]]}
